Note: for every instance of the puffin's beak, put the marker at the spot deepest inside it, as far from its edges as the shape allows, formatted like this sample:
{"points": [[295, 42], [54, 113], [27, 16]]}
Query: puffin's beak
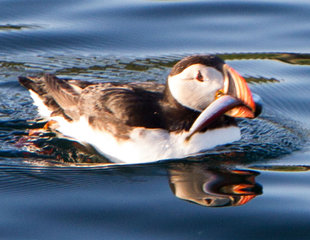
{"points": [[236, 86], [234, 100]]}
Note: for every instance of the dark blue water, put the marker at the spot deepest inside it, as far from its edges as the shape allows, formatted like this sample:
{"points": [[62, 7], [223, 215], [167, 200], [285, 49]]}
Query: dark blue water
{"points": [[256, 188]]}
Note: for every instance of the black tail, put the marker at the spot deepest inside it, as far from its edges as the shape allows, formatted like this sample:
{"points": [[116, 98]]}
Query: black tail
{"points": [[39, 86], [57, 94], [34, 84]]}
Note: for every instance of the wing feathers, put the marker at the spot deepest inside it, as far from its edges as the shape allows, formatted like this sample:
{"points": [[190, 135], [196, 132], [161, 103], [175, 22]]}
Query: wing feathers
{"points": [[64, 94], [129, 105]]}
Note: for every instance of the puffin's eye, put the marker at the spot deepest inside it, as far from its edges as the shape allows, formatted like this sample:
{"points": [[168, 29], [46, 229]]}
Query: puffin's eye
{"points": [[199, 77]]}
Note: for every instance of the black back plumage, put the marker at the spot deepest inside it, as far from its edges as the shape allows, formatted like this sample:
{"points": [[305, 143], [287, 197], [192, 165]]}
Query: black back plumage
{"points": [[104, 104]]}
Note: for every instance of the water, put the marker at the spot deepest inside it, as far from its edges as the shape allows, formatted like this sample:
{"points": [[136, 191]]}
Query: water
{"points": [[256, 188]]}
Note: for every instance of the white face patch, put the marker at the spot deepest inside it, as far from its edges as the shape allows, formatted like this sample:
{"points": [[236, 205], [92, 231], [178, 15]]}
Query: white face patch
{"points": [[192, 93]]}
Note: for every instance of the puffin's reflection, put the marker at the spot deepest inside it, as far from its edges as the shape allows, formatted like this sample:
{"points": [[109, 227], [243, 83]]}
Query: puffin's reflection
{"points": [[213, 187]]}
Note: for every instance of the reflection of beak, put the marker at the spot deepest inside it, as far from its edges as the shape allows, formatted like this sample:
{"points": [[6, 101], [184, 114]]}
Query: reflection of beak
{"points": [[234, 100], [244, 199]]}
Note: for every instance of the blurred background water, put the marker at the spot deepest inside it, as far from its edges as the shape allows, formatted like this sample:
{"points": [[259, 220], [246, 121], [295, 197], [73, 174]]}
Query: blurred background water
{"points": [[255, 188]]}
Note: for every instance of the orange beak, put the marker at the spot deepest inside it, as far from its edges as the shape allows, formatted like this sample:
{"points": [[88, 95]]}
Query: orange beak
{"points": [[236, 86]]}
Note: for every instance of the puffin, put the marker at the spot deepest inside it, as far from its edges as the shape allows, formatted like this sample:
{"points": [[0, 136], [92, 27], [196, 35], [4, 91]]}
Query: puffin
{"points": [[193, 112]]}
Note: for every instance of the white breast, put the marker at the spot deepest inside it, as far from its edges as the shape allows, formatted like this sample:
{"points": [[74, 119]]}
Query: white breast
{"points": [[146, 145]]}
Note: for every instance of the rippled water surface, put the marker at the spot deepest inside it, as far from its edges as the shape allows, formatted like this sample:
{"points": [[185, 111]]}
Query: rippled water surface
{"points": [[256, 188]]}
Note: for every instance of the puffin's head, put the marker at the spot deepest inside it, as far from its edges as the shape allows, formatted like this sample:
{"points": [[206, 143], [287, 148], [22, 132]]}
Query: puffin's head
{"points": [[201, 81]]}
